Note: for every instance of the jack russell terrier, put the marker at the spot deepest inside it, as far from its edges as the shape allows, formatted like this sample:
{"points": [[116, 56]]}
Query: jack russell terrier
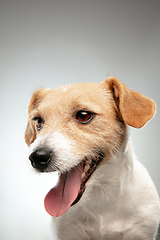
{"points": [[103, 192]]}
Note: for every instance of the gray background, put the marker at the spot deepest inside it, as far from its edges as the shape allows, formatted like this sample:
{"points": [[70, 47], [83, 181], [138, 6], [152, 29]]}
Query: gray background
{"points": [[52, 43]]}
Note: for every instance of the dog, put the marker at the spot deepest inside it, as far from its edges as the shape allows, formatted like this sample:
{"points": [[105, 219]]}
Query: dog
{"points": [[81, 131]]}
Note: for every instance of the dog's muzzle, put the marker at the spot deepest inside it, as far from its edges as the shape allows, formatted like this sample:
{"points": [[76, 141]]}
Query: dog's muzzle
{"points": [[41, 158]]}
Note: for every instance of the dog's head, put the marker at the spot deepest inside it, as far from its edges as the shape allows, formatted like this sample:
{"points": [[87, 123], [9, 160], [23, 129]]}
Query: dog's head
{"points": [[74, 129]]}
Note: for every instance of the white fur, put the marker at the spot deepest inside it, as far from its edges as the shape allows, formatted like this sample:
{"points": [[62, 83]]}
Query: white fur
{"points": [[120, 202], [64, 159]]}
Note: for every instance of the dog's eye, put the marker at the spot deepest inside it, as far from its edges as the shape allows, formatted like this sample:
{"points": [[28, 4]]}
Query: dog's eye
{"points": [[84, 116], [38, 123]]}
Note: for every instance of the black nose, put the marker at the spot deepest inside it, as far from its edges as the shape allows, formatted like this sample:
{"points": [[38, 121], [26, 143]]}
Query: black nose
{"points": [[41, 158]]}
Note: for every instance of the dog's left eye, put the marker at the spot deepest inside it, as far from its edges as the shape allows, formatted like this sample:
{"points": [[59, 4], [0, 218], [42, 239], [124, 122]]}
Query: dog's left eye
{"points": [[84, 116], [38, 123]]}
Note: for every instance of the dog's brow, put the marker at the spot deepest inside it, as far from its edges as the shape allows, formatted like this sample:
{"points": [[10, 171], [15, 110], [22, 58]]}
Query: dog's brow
{"points": [[88, 106], [34, 112], [80, 104]]}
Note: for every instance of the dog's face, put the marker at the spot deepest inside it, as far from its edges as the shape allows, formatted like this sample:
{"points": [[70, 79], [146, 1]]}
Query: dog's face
{"points": [[76, 128]]}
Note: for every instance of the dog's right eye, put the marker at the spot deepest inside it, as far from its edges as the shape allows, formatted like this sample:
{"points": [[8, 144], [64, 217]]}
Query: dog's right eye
{"points": [[38, 123]]}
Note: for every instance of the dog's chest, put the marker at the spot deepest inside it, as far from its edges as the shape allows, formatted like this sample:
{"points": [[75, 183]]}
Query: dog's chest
{"points": [[86, 226], [88, 223]]}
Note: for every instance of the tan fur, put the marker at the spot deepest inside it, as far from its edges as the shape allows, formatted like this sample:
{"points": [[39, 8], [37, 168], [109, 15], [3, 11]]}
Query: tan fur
{"points": [[135, 108]]}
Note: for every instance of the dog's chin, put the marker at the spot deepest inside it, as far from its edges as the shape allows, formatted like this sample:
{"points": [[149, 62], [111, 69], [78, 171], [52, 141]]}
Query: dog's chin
{"points": [[71, 186]]}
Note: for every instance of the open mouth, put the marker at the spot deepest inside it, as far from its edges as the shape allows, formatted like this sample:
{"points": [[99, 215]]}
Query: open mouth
{"points": [[71, 186]]}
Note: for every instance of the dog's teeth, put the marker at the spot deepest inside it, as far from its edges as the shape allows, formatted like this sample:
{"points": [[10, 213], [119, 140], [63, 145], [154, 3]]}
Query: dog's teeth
{"points": [[88, 161], [86, 168], [83, 175]]}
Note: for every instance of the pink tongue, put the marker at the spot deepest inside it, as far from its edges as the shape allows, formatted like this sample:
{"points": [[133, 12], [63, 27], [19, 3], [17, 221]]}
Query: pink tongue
{"points": [[61, 197]]}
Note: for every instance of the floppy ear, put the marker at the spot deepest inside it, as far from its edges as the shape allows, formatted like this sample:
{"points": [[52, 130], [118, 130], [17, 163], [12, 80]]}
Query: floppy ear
{"points": [[135, 109], [30, 133], [37, 97]]}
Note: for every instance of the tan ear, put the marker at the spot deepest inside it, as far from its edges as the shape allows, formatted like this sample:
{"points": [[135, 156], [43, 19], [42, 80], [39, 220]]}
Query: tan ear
{"points": [[37, 97], [135, 108], [30, 133]]}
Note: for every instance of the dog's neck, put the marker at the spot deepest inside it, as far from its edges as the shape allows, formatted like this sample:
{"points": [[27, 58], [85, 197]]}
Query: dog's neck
{"points": [[107, 191], [108, 183]]}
